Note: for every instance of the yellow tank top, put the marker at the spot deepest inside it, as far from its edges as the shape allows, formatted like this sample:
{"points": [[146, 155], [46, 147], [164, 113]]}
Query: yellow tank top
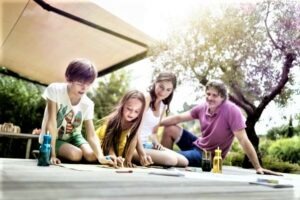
{"points": [[101, 131]]}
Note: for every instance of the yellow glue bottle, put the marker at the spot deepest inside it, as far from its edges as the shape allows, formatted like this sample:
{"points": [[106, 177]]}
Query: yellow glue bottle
{"points": [[217, 161]]}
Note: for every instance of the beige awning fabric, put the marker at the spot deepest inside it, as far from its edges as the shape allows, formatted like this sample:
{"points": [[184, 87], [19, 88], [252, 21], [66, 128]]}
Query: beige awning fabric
{"points": [[38, 44]]}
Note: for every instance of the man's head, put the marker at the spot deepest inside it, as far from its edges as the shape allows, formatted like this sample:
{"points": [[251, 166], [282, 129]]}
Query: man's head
{"points": [[216, 93]]}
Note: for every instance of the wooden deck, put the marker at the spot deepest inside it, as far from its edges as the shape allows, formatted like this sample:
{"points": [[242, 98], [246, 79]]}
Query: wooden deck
{"points": [[22, 179]]}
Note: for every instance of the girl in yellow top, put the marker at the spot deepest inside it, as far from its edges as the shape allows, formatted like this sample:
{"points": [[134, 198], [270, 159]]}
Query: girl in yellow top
{"points": [[118, 133]]}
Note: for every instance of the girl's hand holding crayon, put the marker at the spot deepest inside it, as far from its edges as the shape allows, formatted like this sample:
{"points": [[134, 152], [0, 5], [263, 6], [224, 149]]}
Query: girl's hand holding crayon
{"points": [[129, 164], [108, 160], [120, 161]]}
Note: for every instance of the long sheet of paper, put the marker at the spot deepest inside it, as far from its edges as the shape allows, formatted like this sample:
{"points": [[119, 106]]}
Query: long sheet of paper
{"points": [[273, 185]]}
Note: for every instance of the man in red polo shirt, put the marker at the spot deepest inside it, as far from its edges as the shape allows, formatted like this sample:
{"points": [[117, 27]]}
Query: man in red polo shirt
{"points": [[220, 120]]}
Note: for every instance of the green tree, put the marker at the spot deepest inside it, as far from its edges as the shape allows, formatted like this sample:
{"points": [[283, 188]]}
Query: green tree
{"points": [[290, 132], [297, 128], [21, 103], [109, 91], [276, 133], [284, 131], [251, 47]]}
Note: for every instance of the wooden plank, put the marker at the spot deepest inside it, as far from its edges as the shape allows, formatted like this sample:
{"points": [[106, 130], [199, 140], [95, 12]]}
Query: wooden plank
{"points": [[23, 179], [19, 135]]}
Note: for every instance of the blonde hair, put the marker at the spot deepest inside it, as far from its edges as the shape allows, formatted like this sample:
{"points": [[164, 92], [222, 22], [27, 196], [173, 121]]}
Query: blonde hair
{"points": [[114, 126]]}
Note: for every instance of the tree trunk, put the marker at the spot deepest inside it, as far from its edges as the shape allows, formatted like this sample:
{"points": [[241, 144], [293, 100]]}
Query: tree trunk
{"points": [[254, 140]]}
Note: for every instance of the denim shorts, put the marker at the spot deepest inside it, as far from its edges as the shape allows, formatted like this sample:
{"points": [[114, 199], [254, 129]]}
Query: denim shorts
{"points": [[188, 149]]}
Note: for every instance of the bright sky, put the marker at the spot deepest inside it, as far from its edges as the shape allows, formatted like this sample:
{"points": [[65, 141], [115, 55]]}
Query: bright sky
{"points": [[157, 18]]}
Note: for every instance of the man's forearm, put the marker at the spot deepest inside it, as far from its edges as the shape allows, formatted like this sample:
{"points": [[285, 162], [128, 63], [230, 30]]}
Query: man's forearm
{"points": [[251, 153]]}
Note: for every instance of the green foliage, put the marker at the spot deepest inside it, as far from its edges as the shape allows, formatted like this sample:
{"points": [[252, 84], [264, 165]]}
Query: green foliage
{"points": [[274, 164], [284, 131], [277, 132], [234, 159], [290, 132], [287, 149], [235, 156], [297, 128], [109, 91], [21, 103], [264, 146], [270, 161], [236, 147]]}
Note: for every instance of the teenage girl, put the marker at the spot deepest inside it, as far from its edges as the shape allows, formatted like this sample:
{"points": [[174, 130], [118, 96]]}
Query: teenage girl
{"points": [[158, 101]]}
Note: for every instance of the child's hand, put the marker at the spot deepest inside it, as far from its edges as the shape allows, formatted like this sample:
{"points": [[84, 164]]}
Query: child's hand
{"points": [[158, 146], [36, 131], [146, 160], [129, 164], [108, 160], [54, 160], [120, 162]]}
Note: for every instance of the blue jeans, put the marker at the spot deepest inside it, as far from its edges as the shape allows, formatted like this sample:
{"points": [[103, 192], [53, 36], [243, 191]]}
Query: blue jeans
{"points": [[189, 150]]}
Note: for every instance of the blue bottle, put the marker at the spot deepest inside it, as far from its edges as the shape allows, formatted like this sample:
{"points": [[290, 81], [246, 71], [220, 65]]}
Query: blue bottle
{"points": [[45, 151]]}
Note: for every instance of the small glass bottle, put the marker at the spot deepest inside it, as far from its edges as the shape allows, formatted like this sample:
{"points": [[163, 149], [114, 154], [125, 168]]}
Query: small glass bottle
{"points": [[217, 161], [45, 151], [206, 161]]}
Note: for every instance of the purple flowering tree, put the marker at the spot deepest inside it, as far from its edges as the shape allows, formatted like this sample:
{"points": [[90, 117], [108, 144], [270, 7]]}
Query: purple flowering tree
{"points": [[251, 47]]}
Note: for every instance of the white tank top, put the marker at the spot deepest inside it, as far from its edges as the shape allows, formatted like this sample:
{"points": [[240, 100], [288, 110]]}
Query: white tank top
{"points": [[149, 122]]}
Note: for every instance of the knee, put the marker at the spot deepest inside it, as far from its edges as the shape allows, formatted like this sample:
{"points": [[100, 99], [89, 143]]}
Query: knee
{"points": [[185, 163], [170, 161], [90, 156], [75, 155], [182, 162], [170, 131]]}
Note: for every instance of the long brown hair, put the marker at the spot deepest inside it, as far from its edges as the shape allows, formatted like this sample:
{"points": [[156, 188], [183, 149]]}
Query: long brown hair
{"points": [[164, 76], [114, 124]]}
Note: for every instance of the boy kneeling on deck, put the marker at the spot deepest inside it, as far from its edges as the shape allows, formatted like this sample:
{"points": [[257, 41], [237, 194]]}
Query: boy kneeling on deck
{"points": [[67, 109]]}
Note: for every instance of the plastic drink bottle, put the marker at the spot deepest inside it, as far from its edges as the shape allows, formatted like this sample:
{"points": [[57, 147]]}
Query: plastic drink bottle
{"points": [[217, 162], [45, 151]]}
